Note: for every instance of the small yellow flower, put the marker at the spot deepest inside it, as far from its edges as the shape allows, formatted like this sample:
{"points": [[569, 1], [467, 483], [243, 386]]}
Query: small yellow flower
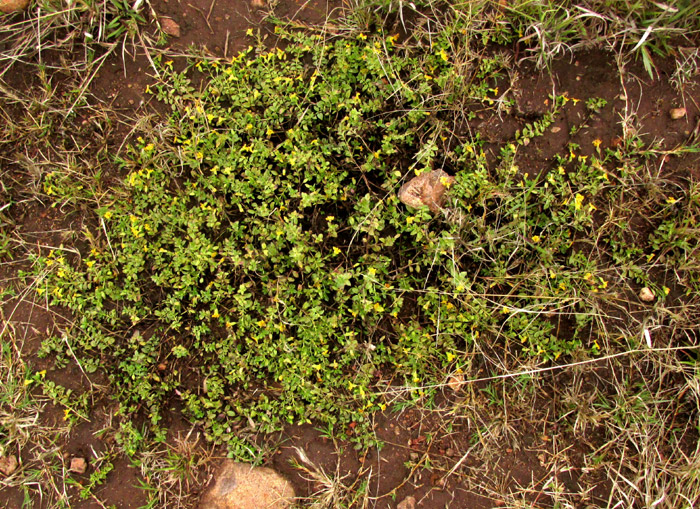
{"points": [[578, 201], [671, 200], [378, 307], [336, 251], [249, 32], [536, 239], [596, 143]]}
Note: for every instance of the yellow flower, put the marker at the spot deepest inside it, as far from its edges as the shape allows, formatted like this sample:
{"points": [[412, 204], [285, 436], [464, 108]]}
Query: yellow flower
{"points": [[578, 201], [536, 239], [671, 200], [378, 307], [596, 143]]}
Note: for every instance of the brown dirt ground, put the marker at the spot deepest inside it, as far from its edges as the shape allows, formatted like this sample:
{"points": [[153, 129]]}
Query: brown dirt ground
{"points": [[419, 450]]}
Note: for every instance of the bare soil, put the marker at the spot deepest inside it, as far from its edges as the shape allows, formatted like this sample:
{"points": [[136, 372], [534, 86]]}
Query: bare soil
{"points": [[420, 452]]}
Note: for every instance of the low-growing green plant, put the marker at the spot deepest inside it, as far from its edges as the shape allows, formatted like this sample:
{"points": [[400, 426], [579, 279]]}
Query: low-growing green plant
{"points": [[258, 264]]}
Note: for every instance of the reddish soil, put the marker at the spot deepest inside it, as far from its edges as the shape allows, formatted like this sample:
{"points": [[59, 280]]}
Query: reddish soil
{"points": [[420, 457]]}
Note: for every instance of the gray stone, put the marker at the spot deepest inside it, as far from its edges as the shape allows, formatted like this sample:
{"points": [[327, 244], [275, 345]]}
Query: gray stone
{"points": [[243, 486]]}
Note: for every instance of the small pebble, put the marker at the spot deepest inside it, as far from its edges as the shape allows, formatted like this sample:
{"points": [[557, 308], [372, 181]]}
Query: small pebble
{"points": [[455, 382], [78, 465], [407, 503], [8, 465], [677, 113], [646, 295], [170, 27]]}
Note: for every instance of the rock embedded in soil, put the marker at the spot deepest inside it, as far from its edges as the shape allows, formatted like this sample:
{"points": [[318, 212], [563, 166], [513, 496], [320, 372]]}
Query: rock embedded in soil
{"points": [[455, 382], [426, 190], [646, 295], [8, 465], [407, 503], [78, 465], [170, 27], [8, 6], [243, 486], [677, 113]]}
